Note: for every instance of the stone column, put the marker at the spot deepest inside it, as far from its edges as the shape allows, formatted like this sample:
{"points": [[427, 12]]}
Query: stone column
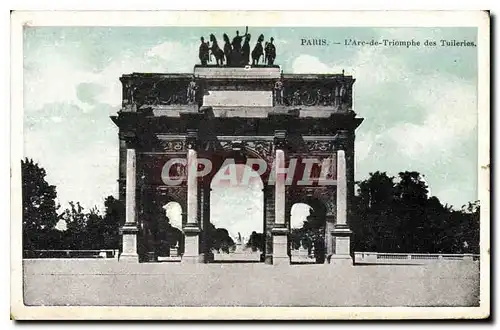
{"points": [[268, 201], [192, 227], [329, 226], [341, 188], [341, 233], [129, 230], [206, 252], [122, 166], [280, 230]]}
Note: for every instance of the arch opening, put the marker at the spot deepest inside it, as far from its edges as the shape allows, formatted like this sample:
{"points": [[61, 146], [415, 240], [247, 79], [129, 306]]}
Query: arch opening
{"points": [[168, 236], [236, 229], [307, 234]]}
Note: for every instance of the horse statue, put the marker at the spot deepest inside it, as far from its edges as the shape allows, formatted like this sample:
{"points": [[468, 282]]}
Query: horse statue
{"points": [[227, 49], [216, 51], [258, 51]]}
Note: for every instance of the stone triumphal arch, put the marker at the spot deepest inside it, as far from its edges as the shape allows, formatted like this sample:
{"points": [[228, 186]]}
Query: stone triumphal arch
{"points": [[175, 127]]}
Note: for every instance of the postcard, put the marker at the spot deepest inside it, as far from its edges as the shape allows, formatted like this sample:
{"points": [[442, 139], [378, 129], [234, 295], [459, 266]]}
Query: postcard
{"points": [[250, 165]]}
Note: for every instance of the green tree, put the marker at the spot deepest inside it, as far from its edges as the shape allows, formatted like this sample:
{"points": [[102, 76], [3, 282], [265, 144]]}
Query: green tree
{"points": [[219, 239], [76, 237], [95, 229], [39, 204], [90, 229], [114, 218], [255, 241], [75, 217], [400, 217], [372, 224]]}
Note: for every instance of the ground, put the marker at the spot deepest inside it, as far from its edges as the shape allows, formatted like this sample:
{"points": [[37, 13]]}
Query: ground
{"points": [[109, 282]]}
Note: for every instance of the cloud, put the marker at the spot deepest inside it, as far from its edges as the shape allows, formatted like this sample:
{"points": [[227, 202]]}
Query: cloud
{"points": [[54, 77], [451, 116], [311, 64], [299, 214], [84, 170], [423, 122], [67, 108]]}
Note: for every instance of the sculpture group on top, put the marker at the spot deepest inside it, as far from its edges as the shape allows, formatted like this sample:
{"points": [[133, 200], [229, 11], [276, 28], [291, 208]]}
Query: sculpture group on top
{"points": [[234, 54]]}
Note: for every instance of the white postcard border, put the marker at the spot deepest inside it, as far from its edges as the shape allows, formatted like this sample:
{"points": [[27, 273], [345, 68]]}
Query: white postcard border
{"points": [[255, 18]]}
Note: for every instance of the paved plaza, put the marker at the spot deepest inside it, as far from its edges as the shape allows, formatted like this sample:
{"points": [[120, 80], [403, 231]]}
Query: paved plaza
{"points": [[108, 282]]}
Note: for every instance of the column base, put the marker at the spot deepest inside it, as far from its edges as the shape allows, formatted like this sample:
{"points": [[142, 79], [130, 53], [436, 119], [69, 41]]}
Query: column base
{"points": [[341, 260], [281, 261], [280, 247], [191, 245], [192, 259], [341, 245], [129, 257], [129, 243]]}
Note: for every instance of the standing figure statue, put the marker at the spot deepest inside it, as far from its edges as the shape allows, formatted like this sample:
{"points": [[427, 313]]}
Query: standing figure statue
{"points": [[227, 49], [237, 40], [236, 53], [203, 53], [245, 50], [191, 91], [336, 102], [319, 97], [343, 94], [270, 52], [278, 92], [216, 51], [258, 51]]}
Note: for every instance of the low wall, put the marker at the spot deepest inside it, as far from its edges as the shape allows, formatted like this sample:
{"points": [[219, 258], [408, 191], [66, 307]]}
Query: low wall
{"points": [[107, 282], [411, 258]]}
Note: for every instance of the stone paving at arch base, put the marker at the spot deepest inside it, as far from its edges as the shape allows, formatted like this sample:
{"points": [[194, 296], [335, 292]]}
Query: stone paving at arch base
{"points": [[83, 282]]}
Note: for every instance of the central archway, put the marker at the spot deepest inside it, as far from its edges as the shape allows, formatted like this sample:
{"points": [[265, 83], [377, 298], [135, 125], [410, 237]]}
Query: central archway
{"points": [[236, 231]]}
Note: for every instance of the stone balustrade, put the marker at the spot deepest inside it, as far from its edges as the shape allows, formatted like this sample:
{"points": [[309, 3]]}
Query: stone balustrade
{"points": [[54, 253], [409, 258]]}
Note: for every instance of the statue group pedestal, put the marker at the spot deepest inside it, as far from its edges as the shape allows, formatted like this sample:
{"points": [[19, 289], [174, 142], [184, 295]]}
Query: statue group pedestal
{"points": [[247, 72]]}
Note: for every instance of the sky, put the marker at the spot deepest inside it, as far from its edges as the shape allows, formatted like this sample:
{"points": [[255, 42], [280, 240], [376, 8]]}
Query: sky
{"points": [[419, 104]]}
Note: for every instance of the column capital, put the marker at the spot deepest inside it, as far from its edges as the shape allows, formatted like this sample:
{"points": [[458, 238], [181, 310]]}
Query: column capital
{"points": [[280, 139], [342, 138], [192, 139], [130, 139]]}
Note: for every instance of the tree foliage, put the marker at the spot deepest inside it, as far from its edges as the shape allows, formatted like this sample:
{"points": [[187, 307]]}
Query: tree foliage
{"points": [[39, 198], [84, 229], [397, 215], [219, 239], [255, 242]]}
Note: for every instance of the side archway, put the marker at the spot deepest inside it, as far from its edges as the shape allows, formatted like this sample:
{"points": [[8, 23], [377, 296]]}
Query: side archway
{"points": [[307, 232]]}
